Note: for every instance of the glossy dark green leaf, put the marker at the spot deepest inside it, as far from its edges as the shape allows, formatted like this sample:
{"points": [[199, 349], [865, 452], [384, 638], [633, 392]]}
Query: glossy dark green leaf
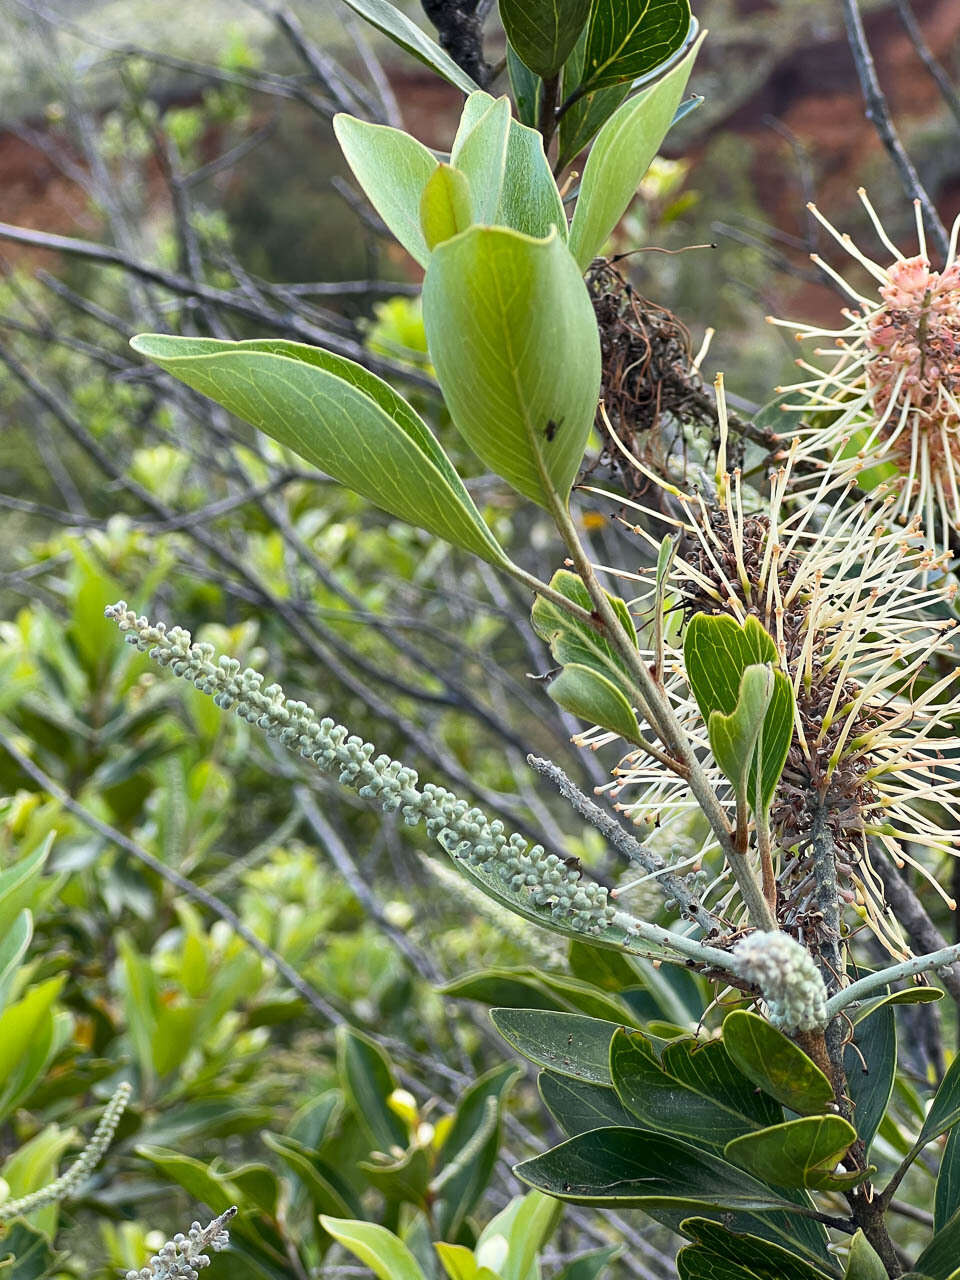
{"points": [[566, 1043], [947, 1199], [797, 1153], [328, 1194], [775, 1064], [586, 112], [25, 1254], [629, 38], [513, 338], [625, 146], [876, 1039], [543, 32], [939, 1258], [526, 88], [445, 208], [367, 1080], [624, 1168], [579, 1107], [593, 697], [691, 1090], [338, 416], [402, 31], [721, 1254]]}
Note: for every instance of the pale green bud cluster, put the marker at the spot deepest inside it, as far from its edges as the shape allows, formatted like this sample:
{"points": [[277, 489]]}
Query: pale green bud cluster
{"points": [[81, 1168], [185, 1256], [788, 978], [465, 833]]}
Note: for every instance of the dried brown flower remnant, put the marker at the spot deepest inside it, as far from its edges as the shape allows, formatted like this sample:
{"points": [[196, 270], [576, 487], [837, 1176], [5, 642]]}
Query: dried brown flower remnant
{"points": [[649, 381]]}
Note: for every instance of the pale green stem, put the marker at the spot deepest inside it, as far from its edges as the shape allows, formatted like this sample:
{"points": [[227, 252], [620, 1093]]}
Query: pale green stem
{"points": [[655, 707], [875, 982]]}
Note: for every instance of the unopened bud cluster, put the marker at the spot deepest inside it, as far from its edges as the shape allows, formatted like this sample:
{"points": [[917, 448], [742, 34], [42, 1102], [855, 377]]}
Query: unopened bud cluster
{"points": [[185, 1256], [464, 832], [788, 978], [81, 1168]]}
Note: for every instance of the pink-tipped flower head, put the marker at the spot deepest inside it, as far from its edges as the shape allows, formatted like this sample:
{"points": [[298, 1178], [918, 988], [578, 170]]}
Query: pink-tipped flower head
{"points": [[892, 393]]}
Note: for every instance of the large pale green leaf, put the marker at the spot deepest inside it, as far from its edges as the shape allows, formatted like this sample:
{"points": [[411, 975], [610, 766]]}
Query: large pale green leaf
{"points": [[690, 1091], [338, 416], [376, 1247], [798, 1153], [567, 1043], [445, 205], [518, 184], [717, 650], [629, 38], [775, 1064], [481, 153], [629, 1168], [13, 947], [393, 169], [513, 338], [620, 157], [720, 1254], [365, 1074], [19, 1024], [20, 882], [402, 31], [587, 694], [543, 32]]}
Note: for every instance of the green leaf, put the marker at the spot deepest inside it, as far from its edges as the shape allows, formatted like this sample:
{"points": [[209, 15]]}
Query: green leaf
{"points": [[947, 1199], [578, 1107], [19, 883], [720, 1254], [445, 205], [326, 1194], [628, 38], [592, 697], [376, 1247], [863, 1262], [19, 1024], [514, 341], [480, 152], [797, 1153], [573, 641], [467, 1166], [402, 31], [588, 111], [944, 1111], [717, 650], [530, 200], [25, 1254], [338, 416], [621, 155], [365, 1075], [692, 1091], [567, 1043], [589, 1266], [526, 88], [13, 947], [869, 1090], [775, 1064], [528, 1224], [909, 995], [631, 1168], [939, 1258], [528, 988], [543, 32], [392, 169], [733, 738], [403, 1180]]}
